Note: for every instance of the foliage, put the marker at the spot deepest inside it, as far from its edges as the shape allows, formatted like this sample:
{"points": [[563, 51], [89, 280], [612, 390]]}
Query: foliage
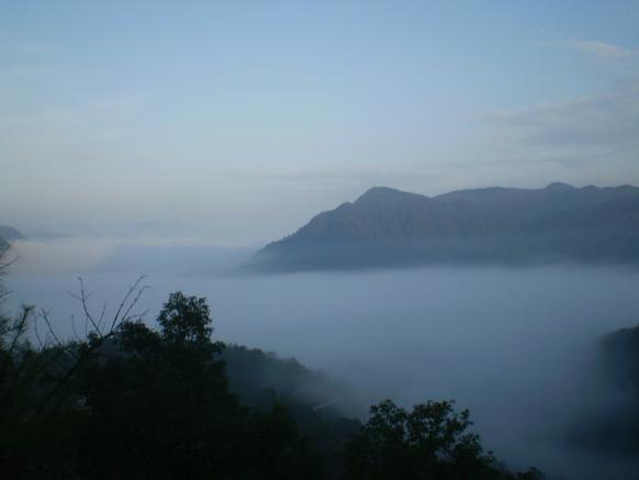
{"points": [[186, 320], [132, 402], [429, 442]]}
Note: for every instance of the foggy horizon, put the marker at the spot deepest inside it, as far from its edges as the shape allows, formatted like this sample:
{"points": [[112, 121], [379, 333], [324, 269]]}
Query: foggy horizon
{"points": [[145, 233]]}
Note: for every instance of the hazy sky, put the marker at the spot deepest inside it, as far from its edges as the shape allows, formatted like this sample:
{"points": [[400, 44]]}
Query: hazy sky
{"points": [[237, 121]]}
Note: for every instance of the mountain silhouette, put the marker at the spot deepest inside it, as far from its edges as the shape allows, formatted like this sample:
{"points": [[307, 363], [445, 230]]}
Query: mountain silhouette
{"points": [[390, 228]]}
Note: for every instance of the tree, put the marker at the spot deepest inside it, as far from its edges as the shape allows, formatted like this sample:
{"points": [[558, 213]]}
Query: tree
{"points": [[3, 266], [43, 405], [430, 442], [159, 402], [17, 368], [186, 320], [132, 402]]}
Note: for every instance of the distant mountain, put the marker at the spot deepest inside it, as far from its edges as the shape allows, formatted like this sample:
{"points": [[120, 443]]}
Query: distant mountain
{"points": [[9, 234], [391, 228]]}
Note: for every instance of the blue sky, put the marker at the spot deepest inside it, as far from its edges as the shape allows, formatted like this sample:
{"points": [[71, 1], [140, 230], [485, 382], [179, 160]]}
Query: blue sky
{"points": [[237, 121]]}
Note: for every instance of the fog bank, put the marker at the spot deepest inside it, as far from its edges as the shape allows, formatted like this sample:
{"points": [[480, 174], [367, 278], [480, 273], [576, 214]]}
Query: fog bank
{"points": [[515, 346]]}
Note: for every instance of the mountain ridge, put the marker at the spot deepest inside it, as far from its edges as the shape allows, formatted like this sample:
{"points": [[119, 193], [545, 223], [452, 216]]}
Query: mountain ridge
{"points": [[389, 227], [9, 234]]}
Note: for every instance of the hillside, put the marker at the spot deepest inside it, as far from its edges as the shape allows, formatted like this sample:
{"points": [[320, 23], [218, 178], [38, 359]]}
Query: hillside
{"points": [[615, 429], [9, 234], [390, 228]]}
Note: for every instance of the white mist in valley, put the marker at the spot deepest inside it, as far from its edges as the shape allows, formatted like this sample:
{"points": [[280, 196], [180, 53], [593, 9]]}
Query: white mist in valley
{"points": [[518, 347]]}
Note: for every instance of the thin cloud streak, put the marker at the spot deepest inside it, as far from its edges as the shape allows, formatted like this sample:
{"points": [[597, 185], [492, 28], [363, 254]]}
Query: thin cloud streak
{"points": [[609, 120], [598, 49]]}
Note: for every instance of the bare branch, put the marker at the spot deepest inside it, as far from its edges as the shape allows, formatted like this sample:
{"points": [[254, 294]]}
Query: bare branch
{"points": [[83, 299], [101, 317], [18, 328], [132, 289], [45, 316], [75, 333], [37, 333], [54, 398], [127, 315]]}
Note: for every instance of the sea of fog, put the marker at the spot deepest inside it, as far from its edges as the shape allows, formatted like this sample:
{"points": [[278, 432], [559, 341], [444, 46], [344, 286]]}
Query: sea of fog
{"points": [[515, 346]]}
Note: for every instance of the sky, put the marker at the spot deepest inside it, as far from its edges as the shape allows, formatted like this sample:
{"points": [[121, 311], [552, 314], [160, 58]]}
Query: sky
{"points": [[233, 123]]}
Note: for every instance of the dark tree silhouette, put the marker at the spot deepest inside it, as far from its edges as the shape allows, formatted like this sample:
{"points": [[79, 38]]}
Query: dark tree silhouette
{"points": [[186, 320], [132, 402], [430, 442]]}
